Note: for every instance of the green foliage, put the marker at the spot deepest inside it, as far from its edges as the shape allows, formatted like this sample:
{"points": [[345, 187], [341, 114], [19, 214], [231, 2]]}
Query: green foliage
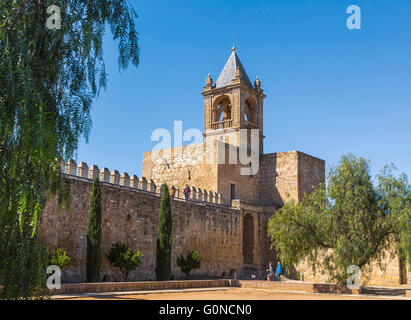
{"points": [[121, 256], [48, 79], [189, 263], [59, 258], [29, 258], [164, 237], [395, 201], [349, 222], [94, 233]]}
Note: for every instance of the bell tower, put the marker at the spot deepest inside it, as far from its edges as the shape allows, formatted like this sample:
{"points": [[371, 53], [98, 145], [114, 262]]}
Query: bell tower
{"points": [[233, 103]]}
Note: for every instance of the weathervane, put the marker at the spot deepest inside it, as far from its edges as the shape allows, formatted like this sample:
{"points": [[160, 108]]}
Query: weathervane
{"points": [[234, 48]]}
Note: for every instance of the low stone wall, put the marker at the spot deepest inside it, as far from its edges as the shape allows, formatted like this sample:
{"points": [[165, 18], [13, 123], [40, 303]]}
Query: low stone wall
{"points": [[189, 284], [388, 276], [296, 286], [136, 286]]}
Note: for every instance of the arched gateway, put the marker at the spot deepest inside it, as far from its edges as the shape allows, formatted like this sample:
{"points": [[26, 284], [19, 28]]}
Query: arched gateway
{"points": [[248, 239]]}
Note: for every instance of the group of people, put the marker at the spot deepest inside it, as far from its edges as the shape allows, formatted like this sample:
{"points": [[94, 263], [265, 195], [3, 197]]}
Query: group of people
{"points": [[277, 274], [186, 192]]}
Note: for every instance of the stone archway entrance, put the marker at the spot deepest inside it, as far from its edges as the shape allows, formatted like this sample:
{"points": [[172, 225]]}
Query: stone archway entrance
{"points": [[248, 239]]}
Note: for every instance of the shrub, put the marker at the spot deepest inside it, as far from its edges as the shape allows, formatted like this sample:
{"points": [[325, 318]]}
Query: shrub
{"points": [[189, 263], [121, 256], [59, 258]]}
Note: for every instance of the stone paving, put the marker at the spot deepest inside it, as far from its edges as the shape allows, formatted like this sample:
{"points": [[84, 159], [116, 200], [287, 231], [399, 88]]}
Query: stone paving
{"points": [[232, 294]]}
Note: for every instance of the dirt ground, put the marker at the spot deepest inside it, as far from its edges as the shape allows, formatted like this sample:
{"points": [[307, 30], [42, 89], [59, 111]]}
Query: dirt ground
{"points": [[226, 294]]}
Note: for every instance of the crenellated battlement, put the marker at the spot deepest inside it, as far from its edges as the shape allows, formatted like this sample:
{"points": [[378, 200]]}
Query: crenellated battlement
{"points": [[114, 177]]}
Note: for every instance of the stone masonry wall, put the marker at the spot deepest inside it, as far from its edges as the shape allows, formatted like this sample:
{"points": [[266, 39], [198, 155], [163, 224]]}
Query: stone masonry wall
{"points": [[311, 172], [278, 178], [288, 175], [261, 246], [246, 185], [180, 166], [387, 276], [189, 165], [131, 215]]}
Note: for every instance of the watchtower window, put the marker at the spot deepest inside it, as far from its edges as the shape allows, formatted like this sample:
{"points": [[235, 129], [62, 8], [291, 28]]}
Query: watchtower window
{"points": [[250, 114], [222, 116], [224, 110]]}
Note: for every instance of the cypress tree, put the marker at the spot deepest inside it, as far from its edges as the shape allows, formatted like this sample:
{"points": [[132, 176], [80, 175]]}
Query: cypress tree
{"points": [[94, 233], [164, 237]]}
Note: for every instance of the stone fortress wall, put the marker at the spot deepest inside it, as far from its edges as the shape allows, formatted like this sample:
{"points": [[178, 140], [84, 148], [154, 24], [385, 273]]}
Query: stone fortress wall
{"points": [[180, 166], [226, 217], [392, 273], [230, 238], [130, 214], [133, 182], [207, 223], [281, 176]]}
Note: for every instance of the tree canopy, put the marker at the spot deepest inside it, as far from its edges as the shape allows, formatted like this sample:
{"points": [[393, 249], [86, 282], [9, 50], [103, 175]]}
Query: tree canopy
{"points": [[348, 222], [48, 80]]}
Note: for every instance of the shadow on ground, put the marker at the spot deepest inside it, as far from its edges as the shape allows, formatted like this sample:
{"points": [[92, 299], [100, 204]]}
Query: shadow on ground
{"points": [[384, 291]]}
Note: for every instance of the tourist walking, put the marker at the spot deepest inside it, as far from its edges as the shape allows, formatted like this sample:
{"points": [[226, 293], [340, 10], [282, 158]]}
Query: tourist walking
{"points": [[187, 192], [278, 271], [172, 193], [270, 271]]}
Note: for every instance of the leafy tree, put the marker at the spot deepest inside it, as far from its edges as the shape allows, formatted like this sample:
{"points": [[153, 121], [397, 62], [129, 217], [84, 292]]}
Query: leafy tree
{"points": [[59, 258], [94, 233], [191, 262], [121, 256], [48, 79], [164, 237], [349, 222], [395, 201]]}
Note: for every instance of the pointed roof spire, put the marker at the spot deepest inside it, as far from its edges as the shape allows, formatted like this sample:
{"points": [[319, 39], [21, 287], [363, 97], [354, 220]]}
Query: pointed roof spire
{"points": [[230, 71]]}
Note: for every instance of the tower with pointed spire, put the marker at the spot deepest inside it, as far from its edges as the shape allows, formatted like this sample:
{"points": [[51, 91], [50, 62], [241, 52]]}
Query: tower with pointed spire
{"points": [[233, 113], [233, 103]]}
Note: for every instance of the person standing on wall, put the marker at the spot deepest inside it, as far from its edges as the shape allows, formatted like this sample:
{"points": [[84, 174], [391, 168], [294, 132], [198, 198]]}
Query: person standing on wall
{"points": [[278, 271], [187, 192]]}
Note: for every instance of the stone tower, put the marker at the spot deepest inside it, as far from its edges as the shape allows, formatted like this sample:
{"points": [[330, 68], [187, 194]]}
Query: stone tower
{"points": [[233, 110], [233, 103]]}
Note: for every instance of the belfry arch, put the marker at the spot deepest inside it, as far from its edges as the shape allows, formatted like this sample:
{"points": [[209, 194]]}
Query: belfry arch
{"points": [[222, 112], [250, 115]]}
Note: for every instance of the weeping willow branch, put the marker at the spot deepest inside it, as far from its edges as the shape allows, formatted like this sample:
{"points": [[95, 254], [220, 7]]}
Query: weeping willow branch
{"points": [[48, 80]]}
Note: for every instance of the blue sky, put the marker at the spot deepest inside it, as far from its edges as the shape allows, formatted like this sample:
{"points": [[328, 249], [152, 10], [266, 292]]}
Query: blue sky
{"points": [[330, 90]]}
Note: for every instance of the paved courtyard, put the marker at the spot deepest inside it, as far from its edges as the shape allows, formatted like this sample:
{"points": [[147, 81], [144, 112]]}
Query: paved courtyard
{"points": [[229, 294]]}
